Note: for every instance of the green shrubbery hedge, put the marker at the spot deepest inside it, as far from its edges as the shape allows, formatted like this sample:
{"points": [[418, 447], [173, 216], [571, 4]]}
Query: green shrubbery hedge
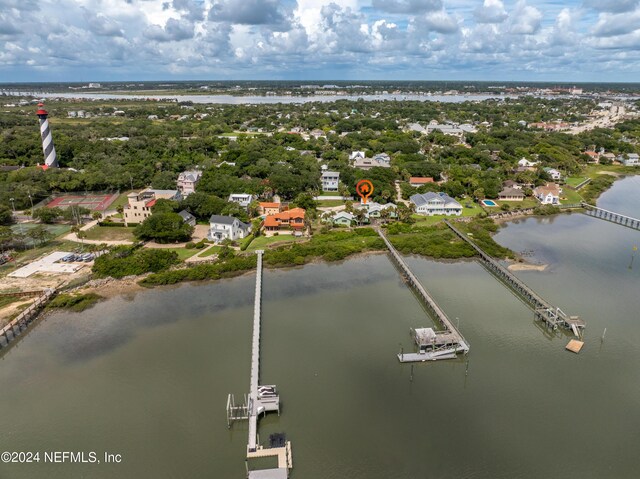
{"points": [[132, 260]]}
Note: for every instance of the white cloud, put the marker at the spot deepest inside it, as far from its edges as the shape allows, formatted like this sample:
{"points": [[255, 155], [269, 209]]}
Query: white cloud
{"points": [[359, 38], [491, 11], [525, 19]]}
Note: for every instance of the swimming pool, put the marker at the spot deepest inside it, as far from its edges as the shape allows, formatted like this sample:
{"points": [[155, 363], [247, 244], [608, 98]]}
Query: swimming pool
{"points": [[489, 203]]}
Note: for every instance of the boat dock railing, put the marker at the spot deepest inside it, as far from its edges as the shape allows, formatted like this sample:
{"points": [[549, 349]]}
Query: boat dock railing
{"points": [[450, 339], [260, 400], [612, 216], [13, 330], [551, 315]]}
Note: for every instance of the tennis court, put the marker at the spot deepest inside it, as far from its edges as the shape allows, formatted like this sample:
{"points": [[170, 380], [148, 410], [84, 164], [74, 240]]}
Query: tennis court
{"points": [[94, 202]]}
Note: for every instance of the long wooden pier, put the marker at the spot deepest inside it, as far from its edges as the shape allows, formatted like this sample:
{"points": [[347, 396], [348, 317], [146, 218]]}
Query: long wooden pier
{"points": [[612, 216], [545, 311], [261, 399], [15, 328], [443, 344]]}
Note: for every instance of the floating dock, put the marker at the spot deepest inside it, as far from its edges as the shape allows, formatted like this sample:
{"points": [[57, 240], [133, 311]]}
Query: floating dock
{"points": [[444, 344], [612, 216], [543, 310], [261, 399]]}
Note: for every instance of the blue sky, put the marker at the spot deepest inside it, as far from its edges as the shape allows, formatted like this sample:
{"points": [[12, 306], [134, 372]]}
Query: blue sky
{"points": [[100, 40]]}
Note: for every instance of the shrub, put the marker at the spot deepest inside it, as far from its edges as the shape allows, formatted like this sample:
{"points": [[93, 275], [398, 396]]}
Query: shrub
{"points": [[133, 260], [74, 302], [190, 245]]}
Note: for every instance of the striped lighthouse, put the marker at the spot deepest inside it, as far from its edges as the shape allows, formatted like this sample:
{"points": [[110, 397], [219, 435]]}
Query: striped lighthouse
{"points": [[50, 158]]}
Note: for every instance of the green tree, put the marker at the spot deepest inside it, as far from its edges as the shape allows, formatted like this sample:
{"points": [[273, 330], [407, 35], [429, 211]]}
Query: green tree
{"points": [[6, 216], [40, 234], [6, 237], [305, 201], [47, 215], [164, 228]]}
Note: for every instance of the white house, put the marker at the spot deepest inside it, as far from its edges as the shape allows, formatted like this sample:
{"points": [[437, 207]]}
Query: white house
{"points": [[630, 159], [430, 204], [553, 173], [357, 154], [526, 163], [187, 181], [548, 194], [227, 227], [330, 180], [343, 218], [243, 199]]}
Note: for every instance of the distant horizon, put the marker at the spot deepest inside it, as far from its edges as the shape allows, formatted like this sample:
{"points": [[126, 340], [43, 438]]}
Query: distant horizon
{"points": [[314, 81]]}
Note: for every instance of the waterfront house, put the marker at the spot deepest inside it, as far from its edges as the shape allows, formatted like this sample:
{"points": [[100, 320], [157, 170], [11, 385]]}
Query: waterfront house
{"points": [[227, 227], [553, 173], [330, 180], [629, 159], [285, 221], [269, 208], [139, 204], [430, 204], [187, 181], [188, 218], [548, 194], [594, 157], [511, 194], [343, 218], [417, 181], [374, 209], [243, 199]]}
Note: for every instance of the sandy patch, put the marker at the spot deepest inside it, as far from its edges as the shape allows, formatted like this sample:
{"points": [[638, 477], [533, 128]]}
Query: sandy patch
{"points": [[109, 287], [527, 267]]}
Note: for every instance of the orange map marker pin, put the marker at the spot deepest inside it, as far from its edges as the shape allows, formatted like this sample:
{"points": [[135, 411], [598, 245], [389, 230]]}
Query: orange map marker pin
{"points": [[364, 188]]}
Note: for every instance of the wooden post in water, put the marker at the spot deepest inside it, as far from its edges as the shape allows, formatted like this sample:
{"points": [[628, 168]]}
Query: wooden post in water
{"points": [[603, 334]]}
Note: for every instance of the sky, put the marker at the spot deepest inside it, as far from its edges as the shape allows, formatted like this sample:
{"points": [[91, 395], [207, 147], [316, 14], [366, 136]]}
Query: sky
{"points": [[509, 40]]}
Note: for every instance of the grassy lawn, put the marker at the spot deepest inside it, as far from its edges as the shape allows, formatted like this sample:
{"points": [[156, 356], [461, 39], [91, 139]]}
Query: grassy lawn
{"points": [[569, 197], [330, 203], [519, 205], [120, 200], [575, 180], [427, 220], [475, 209], [184, 253], [109, 233], [593, 171], [262, 242], [210, 252]]}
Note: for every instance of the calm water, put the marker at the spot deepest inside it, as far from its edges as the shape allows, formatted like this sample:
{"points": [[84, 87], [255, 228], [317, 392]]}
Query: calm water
{"points": [[147, 376]]}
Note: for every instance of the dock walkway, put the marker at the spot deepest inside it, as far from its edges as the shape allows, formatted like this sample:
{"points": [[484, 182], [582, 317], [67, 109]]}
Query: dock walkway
{"points": [[551, 315], [14, 329], [261, 399], [447, 342], [612, 216]]}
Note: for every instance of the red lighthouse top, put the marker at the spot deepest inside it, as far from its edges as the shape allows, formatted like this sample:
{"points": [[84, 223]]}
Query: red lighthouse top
{"points": [[41, 110]]}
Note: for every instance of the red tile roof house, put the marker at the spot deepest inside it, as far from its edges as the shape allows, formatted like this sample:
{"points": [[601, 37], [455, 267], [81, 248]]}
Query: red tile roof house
{"points": [[419, 180], [291, 220]]}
